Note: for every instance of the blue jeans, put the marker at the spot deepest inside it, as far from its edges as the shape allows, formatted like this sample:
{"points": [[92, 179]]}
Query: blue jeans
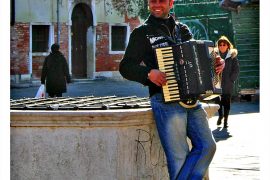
{"points": [[174, 124]]}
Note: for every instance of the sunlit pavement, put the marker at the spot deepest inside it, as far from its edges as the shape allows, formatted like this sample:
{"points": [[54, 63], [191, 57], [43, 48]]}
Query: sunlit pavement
{"points": [[238, 148]]}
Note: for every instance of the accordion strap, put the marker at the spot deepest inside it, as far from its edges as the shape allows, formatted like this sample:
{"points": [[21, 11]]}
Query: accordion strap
{"points": [[189, 104]]}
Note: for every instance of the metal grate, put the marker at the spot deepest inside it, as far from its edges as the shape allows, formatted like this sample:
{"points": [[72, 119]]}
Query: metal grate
{"points": [[80, 103]]}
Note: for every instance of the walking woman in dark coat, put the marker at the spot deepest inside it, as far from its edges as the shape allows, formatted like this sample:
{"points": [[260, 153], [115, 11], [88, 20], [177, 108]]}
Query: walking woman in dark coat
{"points": [[55, 72], [230, 73]]}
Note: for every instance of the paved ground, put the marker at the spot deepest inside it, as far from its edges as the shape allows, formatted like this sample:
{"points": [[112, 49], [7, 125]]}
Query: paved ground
{"points": [[238, 147], [101, 87]]}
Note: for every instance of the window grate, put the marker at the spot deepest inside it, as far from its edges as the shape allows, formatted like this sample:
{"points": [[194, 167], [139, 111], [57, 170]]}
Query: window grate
{"points": [[118, 36], [40, 38]]}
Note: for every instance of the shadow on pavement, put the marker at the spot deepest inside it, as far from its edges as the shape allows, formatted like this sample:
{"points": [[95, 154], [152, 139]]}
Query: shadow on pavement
{"points": [[221, 134]]}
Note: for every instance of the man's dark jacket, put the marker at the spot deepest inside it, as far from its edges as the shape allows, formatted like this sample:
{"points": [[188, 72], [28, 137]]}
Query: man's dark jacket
{"points": [[55, 72], [139, 57]]}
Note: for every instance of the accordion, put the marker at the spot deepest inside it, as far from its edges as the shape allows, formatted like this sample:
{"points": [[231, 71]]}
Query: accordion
{"points": [[190, 71]]}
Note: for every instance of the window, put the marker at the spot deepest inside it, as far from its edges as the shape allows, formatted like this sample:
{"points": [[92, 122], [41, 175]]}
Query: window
{"points": [[40, 38], [118, 38]]}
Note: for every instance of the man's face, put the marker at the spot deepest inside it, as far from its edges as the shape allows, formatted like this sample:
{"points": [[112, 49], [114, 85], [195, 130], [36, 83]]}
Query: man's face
{"points": [[160, 8]]}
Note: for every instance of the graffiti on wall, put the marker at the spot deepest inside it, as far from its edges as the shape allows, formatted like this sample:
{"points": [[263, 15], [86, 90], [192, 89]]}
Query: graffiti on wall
{"points": [[150, 157], [197, 28]]}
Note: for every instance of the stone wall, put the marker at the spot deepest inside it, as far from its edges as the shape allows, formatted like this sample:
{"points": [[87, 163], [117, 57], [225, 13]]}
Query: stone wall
{"points": [[92, 145], [107, 145]]}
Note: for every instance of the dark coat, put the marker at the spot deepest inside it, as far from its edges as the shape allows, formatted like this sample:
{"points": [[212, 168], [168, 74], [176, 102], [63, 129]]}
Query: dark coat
{"points": [[230, 72], [140, 58], [55, 72]]}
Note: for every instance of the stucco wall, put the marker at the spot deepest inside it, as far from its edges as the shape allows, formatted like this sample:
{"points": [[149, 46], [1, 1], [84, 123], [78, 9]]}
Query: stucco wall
{"points": [[46, 11], [87, 153], [40, 11], [107, 145]]}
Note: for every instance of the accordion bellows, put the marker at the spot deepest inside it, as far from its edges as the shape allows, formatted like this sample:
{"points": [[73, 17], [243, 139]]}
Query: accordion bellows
{"points": [[190, 72]]}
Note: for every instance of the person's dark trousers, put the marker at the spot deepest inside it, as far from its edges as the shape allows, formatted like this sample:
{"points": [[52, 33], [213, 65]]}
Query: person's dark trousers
{"points": [[220, 111], [230, 4], [55, 95], [226, 101], [224, 110]]}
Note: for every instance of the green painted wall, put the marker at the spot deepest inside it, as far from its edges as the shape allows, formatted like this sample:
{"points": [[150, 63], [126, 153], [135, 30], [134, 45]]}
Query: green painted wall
{"points": [[208, 21], [210, 8], [246, 37]]}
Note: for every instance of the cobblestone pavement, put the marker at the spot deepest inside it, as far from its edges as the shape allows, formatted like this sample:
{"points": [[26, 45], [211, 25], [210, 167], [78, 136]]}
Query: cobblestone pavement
{"points": [[238, 147]]}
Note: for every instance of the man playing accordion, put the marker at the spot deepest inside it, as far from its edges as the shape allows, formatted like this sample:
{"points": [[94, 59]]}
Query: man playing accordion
{"points": [[175, 122]]}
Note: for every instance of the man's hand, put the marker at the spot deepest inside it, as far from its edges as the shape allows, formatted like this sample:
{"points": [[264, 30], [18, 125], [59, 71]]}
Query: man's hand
{"points": [[157, 77], [219, 64]]}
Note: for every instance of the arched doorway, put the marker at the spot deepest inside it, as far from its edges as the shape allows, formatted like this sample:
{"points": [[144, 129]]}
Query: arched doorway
{"points": [[82, 19]]}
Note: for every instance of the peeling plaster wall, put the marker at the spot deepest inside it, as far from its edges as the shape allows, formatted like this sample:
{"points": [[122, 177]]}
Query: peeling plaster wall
{"points": [[40, 11]]}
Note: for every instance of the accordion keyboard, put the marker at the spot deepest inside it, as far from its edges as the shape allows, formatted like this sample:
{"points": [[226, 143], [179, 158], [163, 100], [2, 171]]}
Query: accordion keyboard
{"points": [[166, 64]]}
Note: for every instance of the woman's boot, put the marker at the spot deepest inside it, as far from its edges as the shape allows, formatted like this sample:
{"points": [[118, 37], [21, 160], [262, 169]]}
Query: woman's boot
{"points": [[226, 115], [220, 114], [219, 120], [225, 122]]}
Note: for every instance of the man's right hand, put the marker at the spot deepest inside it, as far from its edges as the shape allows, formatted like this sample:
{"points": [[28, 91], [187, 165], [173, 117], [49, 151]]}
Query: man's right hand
{"points": [[157, 77]]}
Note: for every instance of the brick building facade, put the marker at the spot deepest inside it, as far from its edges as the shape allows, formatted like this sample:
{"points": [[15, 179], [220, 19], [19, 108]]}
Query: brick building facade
{"points": [[106, 61], [101, 50]]}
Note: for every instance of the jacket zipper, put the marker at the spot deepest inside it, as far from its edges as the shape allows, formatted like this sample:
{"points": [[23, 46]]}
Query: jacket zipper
{"points": [[169, 31]]}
